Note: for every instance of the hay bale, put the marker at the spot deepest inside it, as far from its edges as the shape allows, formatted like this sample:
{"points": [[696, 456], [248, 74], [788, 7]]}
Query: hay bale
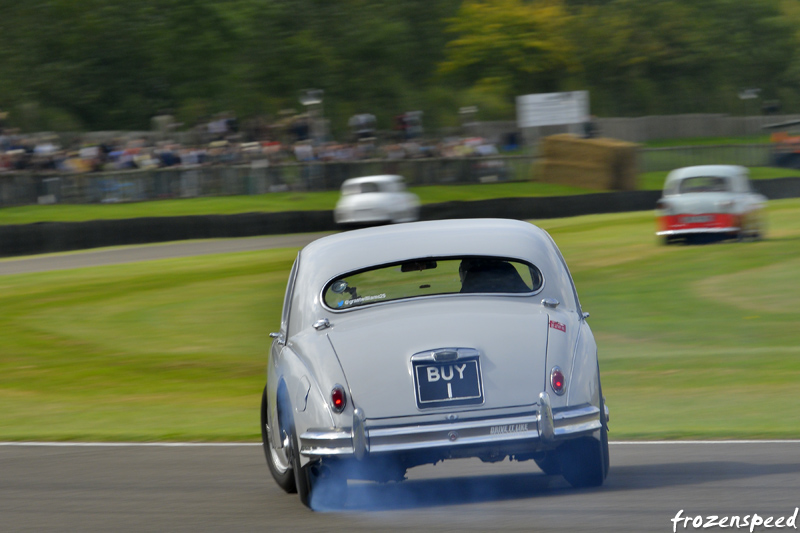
{"points": [[574, 173], [601, 163]]}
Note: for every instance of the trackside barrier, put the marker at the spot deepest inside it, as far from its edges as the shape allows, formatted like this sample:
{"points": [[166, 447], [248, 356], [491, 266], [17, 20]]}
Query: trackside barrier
{"points": [[28, 188], [778, 188], [47, 237]]}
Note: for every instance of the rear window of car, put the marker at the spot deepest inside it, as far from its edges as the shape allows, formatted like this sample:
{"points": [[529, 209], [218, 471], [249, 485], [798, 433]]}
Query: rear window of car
{"points": [[360, 188], [432, 276], [704, 184]]}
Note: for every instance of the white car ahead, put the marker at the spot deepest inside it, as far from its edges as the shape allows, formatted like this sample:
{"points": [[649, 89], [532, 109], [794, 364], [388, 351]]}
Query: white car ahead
{"points": [[407, 345], [371, 200], [709, 200]]}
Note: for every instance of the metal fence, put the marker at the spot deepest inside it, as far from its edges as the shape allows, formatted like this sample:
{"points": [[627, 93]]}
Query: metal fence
{"points": [[26, 188], [748, 155]]}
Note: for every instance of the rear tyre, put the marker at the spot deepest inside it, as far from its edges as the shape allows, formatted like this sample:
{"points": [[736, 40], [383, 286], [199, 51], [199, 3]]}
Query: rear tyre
{"points": [[604, 427], [549, 464], [328, 490], [317, 486], [278, 463], [302, 478], [585, 462]]}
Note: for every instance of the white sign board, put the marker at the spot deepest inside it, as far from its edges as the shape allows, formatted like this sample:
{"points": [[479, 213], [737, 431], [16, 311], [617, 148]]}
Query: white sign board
{"points": [[552, 109]]}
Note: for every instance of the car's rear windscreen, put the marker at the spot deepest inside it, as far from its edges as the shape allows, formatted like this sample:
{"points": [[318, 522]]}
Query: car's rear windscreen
{"points": [[704, 184], [432, 276], [360, 188]]}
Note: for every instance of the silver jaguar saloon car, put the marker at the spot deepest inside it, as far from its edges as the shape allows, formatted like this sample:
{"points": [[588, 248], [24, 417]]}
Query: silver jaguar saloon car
{"points": [[406, 345]]}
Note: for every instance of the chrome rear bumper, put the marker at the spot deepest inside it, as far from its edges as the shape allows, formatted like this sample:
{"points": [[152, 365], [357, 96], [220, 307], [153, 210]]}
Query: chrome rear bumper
{"points": [[692, 231], [542, 428]]}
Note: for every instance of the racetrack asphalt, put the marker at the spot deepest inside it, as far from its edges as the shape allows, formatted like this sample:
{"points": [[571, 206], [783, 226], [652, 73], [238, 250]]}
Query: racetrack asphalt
{"points": [[132, 254], [229, 489]]}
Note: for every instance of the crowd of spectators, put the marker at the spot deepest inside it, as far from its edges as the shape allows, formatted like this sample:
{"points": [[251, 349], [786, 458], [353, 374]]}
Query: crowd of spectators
{"points": [[221, 143]]}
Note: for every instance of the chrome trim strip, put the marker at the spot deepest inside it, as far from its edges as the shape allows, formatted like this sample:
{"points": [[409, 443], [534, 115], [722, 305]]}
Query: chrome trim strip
{"points": [[453, 426], [578, 428], [326, 434], [576, 413], [434, 356], [546, 424], [460, 441], [444, 355], [327, 442], [580, 420], [697, 230], [360, 442], [315, 452]]}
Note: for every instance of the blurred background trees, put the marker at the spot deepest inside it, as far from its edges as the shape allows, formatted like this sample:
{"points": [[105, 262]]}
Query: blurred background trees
{"points": [[104, 64]]}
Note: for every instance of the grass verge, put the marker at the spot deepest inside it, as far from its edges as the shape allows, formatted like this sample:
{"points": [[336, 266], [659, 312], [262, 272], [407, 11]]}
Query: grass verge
{"points": [[267, 203], [695, 341]]}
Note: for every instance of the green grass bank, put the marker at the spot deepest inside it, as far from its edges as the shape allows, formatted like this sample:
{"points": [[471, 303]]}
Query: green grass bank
{"points": [[695, 341]]}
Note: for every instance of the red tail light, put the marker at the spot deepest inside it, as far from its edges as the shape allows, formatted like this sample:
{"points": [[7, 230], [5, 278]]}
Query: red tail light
{"points": [[557, 381], [338, 398]]}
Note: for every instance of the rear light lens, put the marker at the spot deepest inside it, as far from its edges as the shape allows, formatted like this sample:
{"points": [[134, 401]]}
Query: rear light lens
{"points": [[338, 399], [557, 381]]}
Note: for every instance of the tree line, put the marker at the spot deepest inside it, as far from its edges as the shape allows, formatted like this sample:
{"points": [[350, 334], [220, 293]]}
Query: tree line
{"points": [[105, 64]]}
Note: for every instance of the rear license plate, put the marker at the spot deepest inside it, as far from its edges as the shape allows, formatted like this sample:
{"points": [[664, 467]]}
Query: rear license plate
{"points": [[697, 219], [448, 384]]}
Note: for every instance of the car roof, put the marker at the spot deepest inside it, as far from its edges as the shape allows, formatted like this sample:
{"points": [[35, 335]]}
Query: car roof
{"points": [[725, 171], [739, 175], [347, 251]]}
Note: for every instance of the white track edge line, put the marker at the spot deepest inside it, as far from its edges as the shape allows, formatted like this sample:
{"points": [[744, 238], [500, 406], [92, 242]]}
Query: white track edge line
{"points": [[236, 444], [134, 444]]}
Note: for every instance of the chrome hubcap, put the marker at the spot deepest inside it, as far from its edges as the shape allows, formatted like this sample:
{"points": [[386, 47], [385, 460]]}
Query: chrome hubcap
{"points": [[280, 458]]}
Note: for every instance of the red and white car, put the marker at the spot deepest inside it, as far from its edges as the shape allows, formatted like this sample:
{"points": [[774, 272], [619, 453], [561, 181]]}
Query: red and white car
{"points": [[710, 200]]}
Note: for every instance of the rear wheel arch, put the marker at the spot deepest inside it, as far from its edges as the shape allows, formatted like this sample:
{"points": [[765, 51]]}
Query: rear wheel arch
{"points": [[584, 370]]}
